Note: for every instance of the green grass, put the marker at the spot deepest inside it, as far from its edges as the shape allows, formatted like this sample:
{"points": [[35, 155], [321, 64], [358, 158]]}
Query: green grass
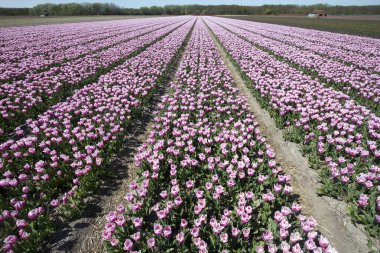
{"points": [[28, 20], [356, 26]]}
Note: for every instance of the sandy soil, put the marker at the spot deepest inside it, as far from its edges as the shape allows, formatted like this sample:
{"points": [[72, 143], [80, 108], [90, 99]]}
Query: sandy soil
{"points": [[330, 214]]}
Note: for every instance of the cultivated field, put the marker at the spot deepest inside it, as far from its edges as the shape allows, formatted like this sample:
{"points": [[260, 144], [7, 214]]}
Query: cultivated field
{"points": [[6, 21], [355, 25], [188, 134]]}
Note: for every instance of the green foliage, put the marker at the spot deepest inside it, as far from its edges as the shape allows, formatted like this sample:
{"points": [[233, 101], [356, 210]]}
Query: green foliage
{"points": [[268, 12], [14, 11]]}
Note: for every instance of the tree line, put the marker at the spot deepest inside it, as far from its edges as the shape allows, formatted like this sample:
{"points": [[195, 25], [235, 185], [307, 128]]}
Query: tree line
{"points": [[76, 9]]}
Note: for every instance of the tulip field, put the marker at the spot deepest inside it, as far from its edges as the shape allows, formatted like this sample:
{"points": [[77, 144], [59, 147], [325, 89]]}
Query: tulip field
{"points": [[340, 136], [208, 178]]}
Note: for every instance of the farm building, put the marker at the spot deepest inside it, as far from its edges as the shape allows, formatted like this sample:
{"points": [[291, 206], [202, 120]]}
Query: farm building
{"points": [[317, 13]]}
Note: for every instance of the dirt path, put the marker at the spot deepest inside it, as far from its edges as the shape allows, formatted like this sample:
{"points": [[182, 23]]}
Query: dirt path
{"points": [[330, 214]]}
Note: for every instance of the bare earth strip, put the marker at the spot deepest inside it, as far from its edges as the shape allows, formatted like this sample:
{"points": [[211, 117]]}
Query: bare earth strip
{"points": [[330, 214]]}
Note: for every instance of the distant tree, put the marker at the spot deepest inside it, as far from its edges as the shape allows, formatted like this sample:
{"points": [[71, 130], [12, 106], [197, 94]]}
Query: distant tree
{"points": [[14, 11], [111, 9], [267, 12]]}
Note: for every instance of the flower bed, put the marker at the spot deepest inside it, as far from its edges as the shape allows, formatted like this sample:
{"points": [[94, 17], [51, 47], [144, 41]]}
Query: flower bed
{"points": [[52, 169], [331, 45], [209, 181], [340, 137], [22, 63], [26, 98], [361, 85]]}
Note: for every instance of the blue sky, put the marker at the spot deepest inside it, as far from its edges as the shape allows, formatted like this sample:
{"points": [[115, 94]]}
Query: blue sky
{"points": [[137, 4]]}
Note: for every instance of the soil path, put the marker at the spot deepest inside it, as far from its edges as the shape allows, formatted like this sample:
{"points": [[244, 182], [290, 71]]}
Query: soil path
{"points": [[331, 214]]}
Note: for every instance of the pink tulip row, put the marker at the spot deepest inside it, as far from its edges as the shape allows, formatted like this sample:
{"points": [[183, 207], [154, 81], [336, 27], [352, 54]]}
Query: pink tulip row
{"points": [[51, 41], [20, 97], [71, 141], [361, 82], [209, 181], [31, 34], [334, 129], [39, 61], [363, 45], [20, 42], [331, 49]]}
